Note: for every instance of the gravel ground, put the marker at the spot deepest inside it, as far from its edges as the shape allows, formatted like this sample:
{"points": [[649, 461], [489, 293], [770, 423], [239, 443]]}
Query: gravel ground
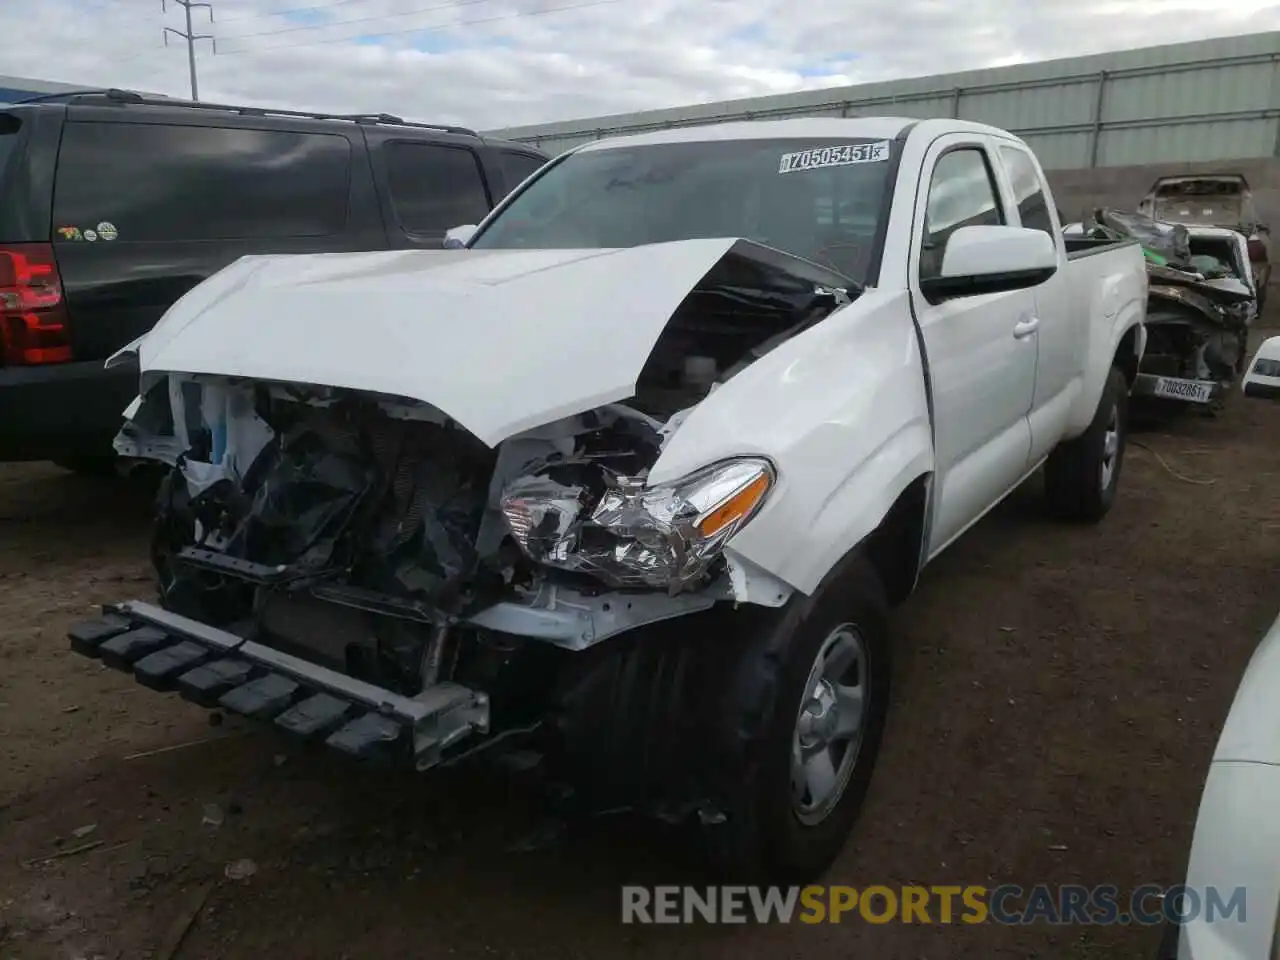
{"points": [[1058, 693]]}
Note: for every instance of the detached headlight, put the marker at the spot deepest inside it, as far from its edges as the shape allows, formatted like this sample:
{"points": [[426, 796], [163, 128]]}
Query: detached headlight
{"points": [[585, 518]]}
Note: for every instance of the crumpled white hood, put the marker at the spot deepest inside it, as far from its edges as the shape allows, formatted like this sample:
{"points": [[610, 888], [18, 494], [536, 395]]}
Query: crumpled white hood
{"points": [[501, 341]]}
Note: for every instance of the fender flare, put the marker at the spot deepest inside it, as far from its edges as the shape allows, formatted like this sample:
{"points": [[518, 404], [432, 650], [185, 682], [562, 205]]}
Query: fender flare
{"points": [[869, 501], [1099, 361]]}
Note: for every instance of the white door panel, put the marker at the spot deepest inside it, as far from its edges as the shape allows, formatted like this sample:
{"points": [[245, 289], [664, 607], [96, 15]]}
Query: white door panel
{"points": [[983, 379], [1060, 347], [981, 349]]}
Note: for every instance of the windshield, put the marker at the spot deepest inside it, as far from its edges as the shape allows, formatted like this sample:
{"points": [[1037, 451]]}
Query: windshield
{"points": [[822, 200], [1204, 202]]}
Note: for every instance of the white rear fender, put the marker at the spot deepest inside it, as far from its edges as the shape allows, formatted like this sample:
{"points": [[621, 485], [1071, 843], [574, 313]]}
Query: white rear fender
{"points": [[842, 412], [1119, 305]]}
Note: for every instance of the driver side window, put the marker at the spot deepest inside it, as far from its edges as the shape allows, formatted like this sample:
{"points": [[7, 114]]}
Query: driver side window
{"points": [[962, 193]]}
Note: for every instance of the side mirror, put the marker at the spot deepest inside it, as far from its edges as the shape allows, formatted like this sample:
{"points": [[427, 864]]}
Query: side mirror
{"points": [[1263, 376], [456, 238], [980, 260]]}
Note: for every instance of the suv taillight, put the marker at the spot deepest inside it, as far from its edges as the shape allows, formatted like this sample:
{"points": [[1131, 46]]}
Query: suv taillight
{"points": [[1257, 250], [33, 311]]}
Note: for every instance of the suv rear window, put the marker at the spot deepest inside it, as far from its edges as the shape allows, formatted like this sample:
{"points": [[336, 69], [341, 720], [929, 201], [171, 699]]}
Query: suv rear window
{"points": [[517, 166], [434, 187], [159, 182], [9, 127]]}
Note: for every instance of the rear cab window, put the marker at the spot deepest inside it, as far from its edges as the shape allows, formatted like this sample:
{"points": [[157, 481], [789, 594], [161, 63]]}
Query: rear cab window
{"points": [[156, 182], [434, 187], [1028, 190], [962, 193]]}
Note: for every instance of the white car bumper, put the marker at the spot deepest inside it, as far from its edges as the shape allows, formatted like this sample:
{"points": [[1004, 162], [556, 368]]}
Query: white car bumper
{"points": [[1236, 845]]}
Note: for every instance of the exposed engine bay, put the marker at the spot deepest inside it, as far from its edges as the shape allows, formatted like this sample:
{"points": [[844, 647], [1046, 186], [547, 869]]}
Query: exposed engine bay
{"points": [[376, 536]]}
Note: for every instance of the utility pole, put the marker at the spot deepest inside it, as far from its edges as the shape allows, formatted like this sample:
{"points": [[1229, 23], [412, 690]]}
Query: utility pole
{"points": [[191, 38]]}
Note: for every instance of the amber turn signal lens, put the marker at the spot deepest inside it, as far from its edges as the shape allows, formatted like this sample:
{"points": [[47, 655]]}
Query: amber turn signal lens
{"points": [[735, 508]]}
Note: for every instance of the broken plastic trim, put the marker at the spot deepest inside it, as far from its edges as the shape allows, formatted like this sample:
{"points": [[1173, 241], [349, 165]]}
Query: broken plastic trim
{"points": [[217, 668], [575, 620]]}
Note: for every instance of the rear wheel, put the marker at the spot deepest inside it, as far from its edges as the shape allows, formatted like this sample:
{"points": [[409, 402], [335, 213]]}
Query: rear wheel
{"points": [[799, 733], [1082, 475]]}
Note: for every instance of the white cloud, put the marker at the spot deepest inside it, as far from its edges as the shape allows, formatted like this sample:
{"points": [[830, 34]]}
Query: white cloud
{"points": [[488, 63]]}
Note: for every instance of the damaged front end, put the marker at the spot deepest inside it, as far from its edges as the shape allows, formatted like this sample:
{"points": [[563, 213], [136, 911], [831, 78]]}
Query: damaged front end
{"points": [[316, 539], [1199, 308], [1195, 330]]}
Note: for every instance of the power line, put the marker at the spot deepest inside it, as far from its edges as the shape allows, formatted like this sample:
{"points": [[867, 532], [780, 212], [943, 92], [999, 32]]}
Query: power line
{"points": [[268, 14], [432, 29], [265, 15], [191, 37], [77, 41], [372, 19], [133, 16]]}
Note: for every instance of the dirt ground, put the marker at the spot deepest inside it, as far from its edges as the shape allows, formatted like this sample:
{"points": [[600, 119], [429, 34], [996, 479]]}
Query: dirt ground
{"points": [[1058, 694]]}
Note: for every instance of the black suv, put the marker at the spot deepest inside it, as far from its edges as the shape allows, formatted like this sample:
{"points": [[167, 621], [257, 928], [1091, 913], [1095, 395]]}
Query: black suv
{"points": [[113, 205]]}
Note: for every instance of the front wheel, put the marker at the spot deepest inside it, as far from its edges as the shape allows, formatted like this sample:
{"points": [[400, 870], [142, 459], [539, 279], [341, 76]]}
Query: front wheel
{"points": [[799, 733], [1082, 475]]}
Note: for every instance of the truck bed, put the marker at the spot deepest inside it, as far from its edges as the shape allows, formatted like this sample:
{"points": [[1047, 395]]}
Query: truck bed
{"points": [[1080, 247]]}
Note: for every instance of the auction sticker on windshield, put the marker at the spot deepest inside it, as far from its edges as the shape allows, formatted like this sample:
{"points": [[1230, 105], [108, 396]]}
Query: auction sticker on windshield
{"points": [[837, 156]]}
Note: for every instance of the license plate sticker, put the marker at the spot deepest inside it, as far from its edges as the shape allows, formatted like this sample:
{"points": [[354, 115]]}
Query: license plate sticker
{"points": [[1195, 391]]}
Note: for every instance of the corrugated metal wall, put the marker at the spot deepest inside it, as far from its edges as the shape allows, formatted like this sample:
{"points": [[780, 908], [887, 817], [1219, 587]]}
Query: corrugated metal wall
{"points": [[13, 89], [1203, 101]]}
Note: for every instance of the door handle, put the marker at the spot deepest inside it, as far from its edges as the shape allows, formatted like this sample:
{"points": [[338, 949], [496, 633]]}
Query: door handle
{"points": [[1025, 328]]}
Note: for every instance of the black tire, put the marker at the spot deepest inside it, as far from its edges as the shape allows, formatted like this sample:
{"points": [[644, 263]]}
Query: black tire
{"points": [[1077, 487], [762, 838]]}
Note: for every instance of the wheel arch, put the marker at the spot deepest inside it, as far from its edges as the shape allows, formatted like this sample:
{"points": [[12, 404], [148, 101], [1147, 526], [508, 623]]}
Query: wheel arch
{"points": [[1129, 351], [896, 547]]}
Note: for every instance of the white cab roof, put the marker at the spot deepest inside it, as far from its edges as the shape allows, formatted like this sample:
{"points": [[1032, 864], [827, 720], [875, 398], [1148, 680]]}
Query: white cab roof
{"points": [[799, 128]]}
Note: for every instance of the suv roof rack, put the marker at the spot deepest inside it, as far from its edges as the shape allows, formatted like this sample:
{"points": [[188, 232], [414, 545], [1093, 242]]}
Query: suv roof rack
{"points": [[130, 96], [110, 92]]}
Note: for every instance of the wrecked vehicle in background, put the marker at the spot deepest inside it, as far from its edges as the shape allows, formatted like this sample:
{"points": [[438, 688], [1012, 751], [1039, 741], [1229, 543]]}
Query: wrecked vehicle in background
{"points": [[629, 483], [1201, 304], [1215, 200]]}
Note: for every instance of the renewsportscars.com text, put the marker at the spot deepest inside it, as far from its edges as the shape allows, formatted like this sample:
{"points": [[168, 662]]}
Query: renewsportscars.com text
{"points": [[1062, 904]]}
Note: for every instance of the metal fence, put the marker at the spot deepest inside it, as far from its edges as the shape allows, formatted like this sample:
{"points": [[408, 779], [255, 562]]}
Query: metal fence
{"points": [[1223, 107]]}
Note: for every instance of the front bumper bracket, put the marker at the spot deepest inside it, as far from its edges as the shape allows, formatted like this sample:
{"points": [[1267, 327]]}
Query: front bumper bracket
{"points": [[219, 669]]}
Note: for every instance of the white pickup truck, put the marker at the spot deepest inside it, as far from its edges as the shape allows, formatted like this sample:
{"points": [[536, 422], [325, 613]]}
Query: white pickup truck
{"points": [[626, 487]]}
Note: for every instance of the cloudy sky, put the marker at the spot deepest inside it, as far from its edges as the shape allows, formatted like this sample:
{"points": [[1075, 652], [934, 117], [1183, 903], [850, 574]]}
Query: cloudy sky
{"points": [[490, 63]]}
